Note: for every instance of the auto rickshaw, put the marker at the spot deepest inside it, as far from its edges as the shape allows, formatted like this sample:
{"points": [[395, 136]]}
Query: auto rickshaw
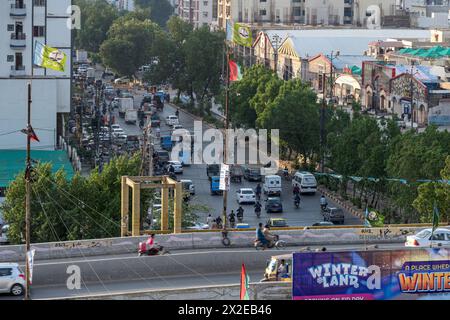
{"points": [[271, 272]]}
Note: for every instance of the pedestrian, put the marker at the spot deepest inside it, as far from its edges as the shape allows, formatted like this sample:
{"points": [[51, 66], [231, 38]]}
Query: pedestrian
{"points": [[209, 221]]}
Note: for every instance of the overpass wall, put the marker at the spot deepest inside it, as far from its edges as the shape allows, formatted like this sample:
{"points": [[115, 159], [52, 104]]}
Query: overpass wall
{"points": [[207, 240]]}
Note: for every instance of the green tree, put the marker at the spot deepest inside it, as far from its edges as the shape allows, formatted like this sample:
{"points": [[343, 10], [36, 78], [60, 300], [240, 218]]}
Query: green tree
{"points": [[159, 10], [97, 16], [295, 113], [137, 35]]}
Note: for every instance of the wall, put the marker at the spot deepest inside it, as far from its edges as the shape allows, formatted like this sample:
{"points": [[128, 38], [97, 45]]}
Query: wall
{"points": [[257, 291], [207, 240]]}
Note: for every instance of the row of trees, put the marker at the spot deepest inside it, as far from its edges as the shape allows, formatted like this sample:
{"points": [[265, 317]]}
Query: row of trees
{"points": [[364, 150], [80, 208]]}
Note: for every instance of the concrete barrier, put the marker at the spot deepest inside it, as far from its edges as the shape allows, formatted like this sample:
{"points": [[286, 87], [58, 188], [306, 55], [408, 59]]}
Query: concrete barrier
{"points": [[207, 240], [257, 291]]}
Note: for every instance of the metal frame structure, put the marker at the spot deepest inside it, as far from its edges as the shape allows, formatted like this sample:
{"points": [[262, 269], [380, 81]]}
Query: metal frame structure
{"points": [[137, 184]]}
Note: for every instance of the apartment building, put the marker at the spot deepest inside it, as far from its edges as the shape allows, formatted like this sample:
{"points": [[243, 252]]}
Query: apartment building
{"points": [[127, 5], [198, 12], [22, 22], [261, 11]]}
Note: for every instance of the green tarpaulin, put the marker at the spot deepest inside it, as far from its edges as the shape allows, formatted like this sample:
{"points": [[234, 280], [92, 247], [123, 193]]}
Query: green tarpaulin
{"points": [[12, 162]]}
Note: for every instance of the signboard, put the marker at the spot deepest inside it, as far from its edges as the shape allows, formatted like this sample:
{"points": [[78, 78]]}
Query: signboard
{"points": [[224, 177], [439, 120], [416, 274]]}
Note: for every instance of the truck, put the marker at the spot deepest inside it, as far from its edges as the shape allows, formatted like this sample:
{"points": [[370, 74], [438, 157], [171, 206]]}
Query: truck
{"points": [[81, 56], [131, 116], [124, 105], [212, 170]]}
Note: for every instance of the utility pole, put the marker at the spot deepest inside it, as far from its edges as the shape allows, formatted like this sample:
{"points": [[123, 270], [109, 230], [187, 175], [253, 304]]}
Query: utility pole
{"points": [[225, 149], [322, 125], [28, 198]]}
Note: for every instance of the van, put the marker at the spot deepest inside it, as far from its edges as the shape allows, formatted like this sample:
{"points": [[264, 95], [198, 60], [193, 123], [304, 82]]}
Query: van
{"points": [[272, 185], [305, 181]]}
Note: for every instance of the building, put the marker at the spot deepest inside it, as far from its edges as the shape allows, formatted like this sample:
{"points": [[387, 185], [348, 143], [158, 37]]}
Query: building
{"points": [[301, 45], [127, 5], [22, 23], [198, 12], [260, 12]]}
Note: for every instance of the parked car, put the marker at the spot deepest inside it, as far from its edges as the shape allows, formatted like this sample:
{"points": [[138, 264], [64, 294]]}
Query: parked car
{"points": [[273, 204], [176, 165], [245, 195], [335, 215], [441, 237], [12, 279], [188, 186]]}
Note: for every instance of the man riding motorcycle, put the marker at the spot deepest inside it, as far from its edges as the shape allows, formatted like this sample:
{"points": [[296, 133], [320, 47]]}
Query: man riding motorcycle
{"points": [[297, 200], [232, 219], [258, 191], [240, 214], [260, 236], [258, 209], [267, 234], [296, 190]]}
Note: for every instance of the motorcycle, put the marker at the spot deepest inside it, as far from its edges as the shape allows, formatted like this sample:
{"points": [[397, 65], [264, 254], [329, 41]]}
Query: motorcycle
{"points": [[240, 217], [276, 243], [154, 251], [297, 203], [323, 207], [258, 211]]}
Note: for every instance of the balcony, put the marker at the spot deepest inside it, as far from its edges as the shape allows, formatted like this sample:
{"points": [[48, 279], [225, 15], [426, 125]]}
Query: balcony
{"points": [[18, 11], [18, 71], [18, 41]]}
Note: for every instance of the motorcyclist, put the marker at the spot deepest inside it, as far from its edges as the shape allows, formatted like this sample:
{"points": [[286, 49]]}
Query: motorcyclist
{"points": [[269, 236], [286, 172], [177, 113], [296, 190], [323, 202], [297, 199], [258, 208], [232, 218], [240, 213], [260, 236], [258, 191], [219, 222]]}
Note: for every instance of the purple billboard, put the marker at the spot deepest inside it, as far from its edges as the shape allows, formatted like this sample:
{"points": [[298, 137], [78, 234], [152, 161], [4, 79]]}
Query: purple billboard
{"points": [[372, 275]]}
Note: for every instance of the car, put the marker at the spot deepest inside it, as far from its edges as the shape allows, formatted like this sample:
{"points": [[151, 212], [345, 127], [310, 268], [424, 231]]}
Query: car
{"points": [[273, 204], [176, 165], [306, 182], [121, 139], [441, 237], [198, 226], [277, 223], [172, 120], [245, 195], [334, 215], [177, 127], [252, 174], [323, 224], [188, 186], [118, 132], [163, 156], [12, 279], [115, 126]]}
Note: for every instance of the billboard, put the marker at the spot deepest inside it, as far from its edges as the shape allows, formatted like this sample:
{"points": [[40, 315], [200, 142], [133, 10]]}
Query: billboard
{"points": [[372, 275]]}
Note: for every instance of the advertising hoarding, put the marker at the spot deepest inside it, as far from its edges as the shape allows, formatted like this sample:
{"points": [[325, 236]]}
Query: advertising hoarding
{"points": [[372, 275]]}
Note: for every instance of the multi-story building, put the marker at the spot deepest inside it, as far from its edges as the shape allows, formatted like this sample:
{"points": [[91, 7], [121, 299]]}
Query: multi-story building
{"points": [[127, 5], [260, 12], [22, 22], [198, 12]]}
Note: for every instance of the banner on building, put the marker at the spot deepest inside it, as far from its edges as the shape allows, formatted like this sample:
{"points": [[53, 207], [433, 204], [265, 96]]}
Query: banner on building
{"points": [[419, 274]]}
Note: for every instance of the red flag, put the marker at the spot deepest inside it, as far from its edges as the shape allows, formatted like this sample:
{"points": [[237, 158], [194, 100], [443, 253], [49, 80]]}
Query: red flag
{"points": [[244, 284], [30, 132], [235, 71]]}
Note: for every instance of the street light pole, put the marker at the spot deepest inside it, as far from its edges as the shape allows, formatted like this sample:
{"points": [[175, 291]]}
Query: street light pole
{"points": [[322, 126]]}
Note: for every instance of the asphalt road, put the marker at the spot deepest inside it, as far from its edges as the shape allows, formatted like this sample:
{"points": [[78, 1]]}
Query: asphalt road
{"points": [[182, 269], [306, 215]]}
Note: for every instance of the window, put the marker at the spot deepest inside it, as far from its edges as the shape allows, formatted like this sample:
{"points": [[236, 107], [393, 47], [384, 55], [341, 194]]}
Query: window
{"points": [[5, 272], [205, 14], [38, 31], [262, 12], [10, 58], [438, 237], [10, 27], [39, 3]]}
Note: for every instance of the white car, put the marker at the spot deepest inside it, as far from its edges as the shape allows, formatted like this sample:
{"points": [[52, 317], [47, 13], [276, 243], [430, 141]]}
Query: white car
{"points": [[188, 186], [441, 237], [121, 138], [198, 226], [123, 80], [12, 279], [118, 132], [178, 167], [246, 195], [115, 126], [172, 120]]}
